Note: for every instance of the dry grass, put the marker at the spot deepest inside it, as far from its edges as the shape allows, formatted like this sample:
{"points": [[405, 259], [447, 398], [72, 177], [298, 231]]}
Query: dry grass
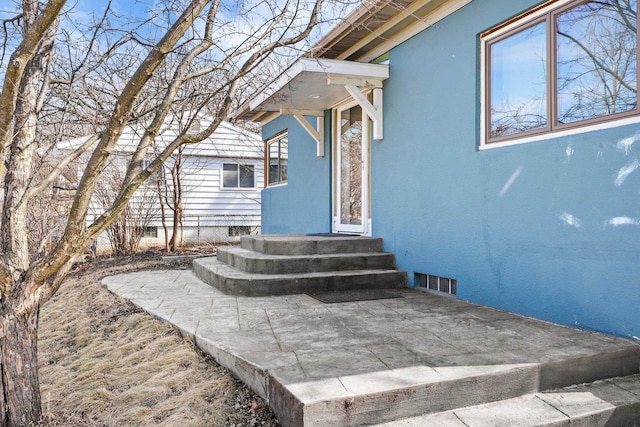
{"points": [[104, 362]]}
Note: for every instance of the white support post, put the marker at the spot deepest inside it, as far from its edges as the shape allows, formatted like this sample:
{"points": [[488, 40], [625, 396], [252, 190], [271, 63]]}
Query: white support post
{"points": [[373, 110], [320, 127], [377, 105]]}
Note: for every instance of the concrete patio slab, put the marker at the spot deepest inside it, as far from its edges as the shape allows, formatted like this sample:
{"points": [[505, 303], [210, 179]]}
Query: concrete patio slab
{"points": [[369, 362]]}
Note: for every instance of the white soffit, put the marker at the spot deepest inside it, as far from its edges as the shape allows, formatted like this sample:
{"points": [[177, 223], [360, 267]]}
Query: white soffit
{"points": [[312, 85]]}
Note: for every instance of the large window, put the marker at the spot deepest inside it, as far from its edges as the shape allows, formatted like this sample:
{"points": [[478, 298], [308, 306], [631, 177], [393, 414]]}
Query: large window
{"points": [[566, 64], [277, 157], [235, 175]]}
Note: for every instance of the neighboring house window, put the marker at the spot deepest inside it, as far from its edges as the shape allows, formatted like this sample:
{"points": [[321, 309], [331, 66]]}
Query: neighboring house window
{"points": [[154, 177], [239, 230], [150, 232], [563, 65], [235, 175], [277, 157]]}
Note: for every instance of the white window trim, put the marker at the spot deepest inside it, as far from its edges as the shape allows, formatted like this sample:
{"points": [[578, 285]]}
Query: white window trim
{"points": [[517, 23], [559, 134], [238, 188], [275, 138]]}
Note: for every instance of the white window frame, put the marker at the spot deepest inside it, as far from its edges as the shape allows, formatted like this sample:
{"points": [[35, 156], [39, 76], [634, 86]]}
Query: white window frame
{"points": [[521, 22], [272, 140], [238, 188]]}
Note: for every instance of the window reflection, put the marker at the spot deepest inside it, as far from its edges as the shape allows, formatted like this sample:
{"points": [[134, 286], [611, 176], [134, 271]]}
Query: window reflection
{"points": [[584, 74], [596, 54], [277, 160], [518, 82]]}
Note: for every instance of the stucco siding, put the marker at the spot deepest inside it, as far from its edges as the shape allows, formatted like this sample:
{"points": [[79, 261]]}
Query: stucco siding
{"points": [[303, 205], [549, 229]]}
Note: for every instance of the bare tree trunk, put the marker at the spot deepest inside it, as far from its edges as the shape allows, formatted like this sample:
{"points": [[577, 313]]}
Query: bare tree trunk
{"points": [[163, 214], [176, 177], [177, 214], [20, 403]]}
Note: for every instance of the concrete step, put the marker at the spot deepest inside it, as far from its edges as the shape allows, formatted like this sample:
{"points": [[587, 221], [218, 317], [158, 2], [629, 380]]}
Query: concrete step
{"points": [[302, 244], [235, 282], [433, 396], [610, 402], [259, 263]]}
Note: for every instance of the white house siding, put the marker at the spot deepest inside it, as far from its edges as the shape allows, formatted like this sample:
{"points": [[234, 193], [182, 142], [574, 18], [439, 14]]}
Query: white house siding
{"points": [[209, 210]]}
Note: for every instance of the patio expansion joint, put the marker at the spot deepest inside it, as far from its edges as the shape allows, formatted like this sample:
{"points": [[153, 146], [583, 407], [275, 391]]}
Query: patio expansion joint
{"points": [[273, 332], [459, 419], [449, 341], [619, 387], [341, 322], [169, 316], [299, 363], [537, 396], [372, 313], [379, 359], [342, 384], [237, 314]]}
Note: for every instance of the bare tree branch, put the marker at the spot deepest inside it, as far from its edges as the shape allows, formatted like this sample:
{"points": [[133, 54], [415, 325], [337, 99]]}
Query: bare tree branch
{"points": [[17, 64], [62, 164]]}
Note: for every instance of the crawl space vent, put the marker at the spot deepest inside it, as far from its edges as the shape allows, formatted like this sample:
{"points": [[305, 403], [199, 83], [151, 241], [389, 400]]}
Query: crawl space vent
{"points": [[437, 283]]}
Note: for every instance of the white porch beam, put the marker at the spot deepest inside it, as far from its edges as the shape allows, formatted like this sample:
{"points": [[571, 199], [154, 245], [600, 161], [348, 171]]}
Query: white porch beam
{"points": [[373, 110], [264, 117], [317, 135], [293, 112], [359, 82]]}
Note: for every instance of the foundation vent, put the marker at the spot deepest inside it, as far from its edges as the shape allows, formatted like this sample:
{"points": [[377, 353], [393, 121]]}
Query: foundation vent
{"points": [[437, 283]]}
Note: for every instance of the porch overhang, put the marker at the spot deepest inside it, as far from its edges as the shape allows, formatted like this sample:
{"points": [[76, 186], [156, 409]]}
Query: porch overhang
{"points": [[312, 85]]}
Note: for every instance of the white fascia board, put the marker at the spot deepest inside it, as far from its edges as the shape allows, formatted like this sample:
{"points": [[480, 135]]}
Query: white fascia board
{"points": [[340, 67], [322, 67]]}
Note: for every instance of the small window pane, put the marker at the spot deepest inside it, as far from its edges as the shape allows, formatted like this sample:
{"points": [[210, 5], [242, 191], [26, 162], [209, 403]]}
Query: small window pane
{"points": [[518, 82], [278, 154], [596, 54], [230, 175], [351, 166], [273, 163], [246, 176], [283, 170], [284, 156]]}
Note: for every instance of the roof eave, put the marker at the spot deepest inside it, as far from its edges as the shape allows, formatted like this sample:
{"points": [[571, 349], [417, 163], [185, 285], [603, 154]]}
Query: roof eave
{"points": [[309, 85]]}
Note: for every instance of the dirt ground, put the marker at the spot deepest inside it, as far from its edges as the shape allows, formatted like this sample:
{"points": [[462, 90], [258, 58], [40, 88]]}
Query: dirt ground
{"points": [[104, 362]]}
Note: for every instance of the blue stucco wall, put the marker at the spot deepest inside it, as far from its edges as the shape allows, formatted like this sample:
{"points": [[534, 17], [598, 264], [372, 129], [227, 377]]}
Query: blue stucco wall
{"points": [[545, 246], [303, 205]]}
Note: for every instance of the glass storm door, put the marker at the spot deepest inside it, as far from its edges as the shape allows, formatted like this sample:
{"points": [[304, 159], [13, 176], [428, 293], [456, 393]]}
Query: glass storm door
{"points": [[351, 190]]}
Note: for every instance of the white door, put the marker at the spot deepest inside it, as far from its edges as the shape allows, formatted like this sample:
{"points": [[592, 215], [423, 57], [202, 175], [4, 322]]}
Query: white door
{"points": [[351, 170]]}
